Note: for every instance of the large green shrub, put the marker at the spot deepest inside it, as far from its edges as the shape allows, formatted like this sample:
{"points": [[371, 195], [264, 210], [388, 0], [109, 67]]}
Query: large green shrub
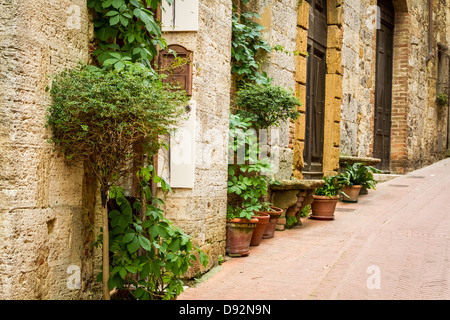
{"points": [[267, 105], [98, 114]]}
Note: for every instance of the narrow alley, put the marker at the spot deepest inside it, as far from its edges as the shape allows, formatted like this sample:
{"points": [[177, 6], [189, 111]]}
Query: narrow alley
{"points": [[393, 244]]}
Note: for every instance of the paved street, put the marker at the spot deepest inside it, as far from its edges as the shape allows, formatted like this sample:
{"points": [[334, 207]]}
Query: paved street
{"points": [[393, 244]]}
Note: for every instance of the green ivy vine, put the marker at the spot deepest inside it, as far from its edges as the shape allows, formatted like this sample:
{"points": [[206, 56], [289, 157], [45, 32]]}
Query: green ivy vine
{"points": [[126, 31]]}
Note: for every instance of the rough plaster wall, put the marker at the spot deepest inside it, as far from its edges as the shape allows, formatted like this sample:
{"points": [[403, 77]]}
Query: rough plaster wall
{"points": [[357, 60], [279, 18], [42, 228], [201, 211]]}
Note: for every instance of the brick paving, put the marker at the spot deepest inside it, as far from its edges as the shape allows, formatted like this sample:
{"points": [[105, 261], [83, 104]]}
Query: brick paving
{"points": [[393, 244]]}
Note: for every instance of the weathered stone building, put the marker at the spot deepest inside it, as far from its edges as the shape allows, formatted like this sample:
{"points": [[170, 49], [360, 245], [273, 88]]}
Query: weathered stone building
{"points": [[50, 212], [392, 74]]}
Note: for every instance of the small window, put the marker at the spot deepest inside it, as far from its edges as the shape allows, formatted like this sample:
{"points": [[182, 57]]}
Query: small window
{"points": [[176, 63]]}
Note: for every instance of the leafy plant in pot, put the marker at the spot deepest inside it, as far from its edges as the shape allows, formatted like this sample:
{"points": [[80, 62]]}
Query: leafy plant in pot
{"points": [[325, 199], [248, 183], [354, 178]]}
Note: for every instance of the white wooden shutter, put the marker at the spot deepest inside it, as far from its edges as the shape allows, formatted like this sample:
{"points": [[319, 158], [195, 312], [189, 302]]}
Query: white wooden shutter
{"points": [[181, 15]]}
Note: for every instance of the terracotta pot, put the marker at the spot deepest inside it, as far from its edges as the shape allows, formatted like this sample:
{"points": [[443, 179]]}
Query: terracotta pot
{"points": [[323, 207], [263, 219], [239, 233], [269, 231], [350, 194]]}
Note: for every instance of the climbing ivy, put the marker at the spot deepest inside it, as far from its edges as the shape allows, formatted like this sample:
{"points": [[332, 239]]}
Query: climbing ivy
{"points": [[126, 31], [246, 44]]}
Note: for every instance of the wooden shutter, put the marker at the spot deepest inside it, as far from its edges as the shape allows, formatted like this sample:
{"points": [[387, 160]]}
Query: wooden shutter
{"points": [[177, 75]]}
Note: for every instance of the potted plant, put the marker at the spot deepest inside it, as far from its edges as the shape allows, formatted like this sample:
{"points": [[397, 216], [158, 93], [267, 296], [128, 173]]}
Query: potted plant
{"points": [[274, 213], [247, 183], [354, 178], [325, 199]]}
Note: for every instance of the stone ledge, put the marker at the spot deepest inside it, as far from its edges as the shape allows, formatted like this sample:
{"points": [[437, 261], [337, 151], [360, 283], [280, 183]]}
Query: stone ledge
{"points": [[298, 185], [292, 196], [351, 160]]}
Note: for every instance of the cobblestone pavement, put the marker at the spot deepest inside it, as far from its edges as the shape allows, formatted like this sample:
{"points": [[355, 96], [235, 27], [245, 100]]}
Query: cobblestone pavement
{"points": [[393, 244]]}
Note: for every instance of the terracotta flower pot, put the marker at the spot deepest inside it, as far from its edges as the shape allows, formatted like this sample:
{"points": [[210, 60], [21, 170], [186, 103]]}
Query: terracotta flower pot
{"points": [[269, 231], [350, 194], [238, 235], [323, 207], [263, 219]]}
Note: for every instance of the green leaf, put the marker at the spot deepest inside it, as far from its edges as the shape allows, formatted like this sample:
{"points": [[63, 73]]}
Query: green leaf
{"points": [[117, 3], [128, 237], [123, 272], [134, 245], [114, 20], [145, 243]]}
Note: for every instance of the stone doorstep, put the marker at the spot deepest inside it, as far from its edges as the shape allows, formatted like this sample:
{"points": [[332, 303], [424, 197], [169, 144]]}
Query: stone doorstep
{"points": [[292, 196]]}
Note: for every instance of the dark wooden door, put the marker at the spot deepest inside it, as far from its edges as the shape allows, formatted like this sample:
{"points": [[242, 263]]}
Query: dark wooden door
{"points": [[383, 86], [315, 90]]}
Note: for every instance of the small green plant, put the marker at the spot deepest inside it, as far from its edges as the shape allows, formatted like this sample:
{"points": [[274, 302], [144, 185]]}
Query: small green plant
{"points": [[291, 221], [331, 188], [305, 211], [267, 105], [442, 99], [358, 174], [248, 181], [149, 254]]}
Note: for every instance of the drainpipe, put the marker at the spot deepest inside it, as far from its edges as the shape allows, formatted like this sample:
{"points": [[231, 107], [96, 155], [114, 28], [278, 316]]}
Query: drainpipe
{"points": [[430, 31]]}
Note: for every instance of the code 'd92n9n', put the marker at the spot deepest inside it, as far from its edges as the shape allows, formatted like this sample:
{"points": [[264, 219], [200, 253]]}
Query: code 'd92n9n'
{"points": [[246, 309]]}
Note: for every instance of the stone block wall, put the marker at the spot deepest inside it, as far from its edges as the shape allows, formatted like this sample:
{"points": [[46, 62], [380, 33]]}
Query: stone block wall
{"points": [[419, 126], [44, 220], [201, 211], [278, 17]]}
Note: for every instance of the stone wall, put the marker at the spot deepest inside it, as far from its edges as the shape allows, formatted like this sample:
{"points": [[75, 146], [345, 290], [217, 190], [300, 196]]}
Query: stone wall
{"points": [[419, 126], [201, 211], [278, 17], [44, 221]]}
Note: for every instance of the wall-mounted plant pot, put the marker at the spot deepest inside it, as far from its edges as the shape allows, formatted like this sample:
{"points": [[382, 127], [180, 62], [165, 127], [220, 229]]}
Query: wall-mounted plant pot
{"points": [[350, 194], [269, 231], [239, 233], [323, 207]]}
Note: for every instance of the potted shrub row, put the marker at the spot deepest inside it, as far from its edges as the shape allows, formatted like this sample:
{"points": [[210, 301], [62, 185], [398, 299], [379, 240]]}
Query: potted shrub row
{"points": [[249, 217], [248, 184], [347, 185]]}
